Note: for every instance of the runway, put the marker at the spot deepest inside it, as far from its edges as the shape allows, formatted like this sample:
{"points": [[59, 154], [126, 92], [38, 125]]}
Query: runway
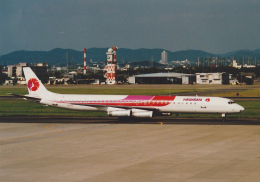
{"points": [[103, 149]]}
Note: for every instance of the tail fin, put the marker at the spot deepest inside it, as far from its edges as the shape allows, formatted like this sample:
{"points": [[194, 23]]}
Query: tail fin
{"points": [[34, 85]]}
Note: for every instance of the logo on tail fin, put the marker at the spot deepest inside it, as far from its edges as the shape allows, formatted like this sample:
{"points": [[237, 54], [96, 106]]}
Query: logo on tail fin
{"points": [[33, 84]]}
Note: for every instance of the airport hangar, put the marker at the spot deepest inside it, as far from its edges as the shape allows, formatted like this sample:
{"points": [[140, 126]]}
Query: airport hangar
{"points": [[163, 78]]}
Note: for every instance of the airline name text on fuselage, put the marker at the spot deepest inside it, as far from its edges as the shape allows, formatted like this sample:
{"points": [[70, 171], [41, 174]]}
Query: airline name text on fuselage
{"points": [[192, 99]]}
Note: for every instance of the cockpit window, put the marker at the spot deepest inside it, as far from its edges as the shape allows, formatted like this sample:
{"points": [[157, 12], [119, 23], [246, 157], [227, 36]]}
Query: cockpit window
{"points": [[231, 102]]}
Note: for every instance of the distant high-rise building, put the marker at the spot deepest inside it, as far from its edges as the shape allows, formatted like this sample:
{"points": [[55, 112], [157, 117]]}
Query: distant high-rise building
{"points": [[164, 58]]}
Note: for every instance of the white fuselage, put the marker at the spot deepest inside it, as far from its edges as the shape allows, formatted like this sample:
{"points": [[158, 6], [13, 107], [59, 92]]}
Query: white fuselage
{"points": [[161, 104]]}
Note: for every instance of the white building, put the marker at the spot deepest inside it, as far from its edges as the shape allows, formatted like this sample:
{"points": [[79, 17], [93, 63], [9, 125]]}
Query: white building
{"points": [[9, 81], [16, 70], [236, 65], [233, 82], [248, 66], [208, 78], [162, 78], [21, 81]]}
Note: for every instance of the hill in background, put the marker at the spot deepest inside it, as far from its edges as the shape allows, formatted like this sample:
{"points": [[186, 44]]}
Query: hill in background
{"points": [[58, 55]]}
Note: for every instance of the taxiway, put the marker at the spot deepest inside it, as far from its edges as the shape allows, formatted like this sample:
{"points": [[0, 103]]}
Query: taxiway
{"points": [[102, 149]]}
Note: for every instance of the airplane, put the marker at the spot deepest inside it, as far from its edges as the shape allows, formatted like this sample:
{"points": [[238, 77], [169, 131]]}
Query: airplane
{"points": [[128, 106]]}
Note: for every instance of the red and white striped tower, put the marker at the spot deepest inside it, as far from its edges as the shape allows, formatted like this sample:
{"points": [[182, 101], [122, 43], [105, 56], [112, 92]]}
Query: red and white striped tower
{"points": [[115, 61], [85, 61], [47, 65], [111, 66]]}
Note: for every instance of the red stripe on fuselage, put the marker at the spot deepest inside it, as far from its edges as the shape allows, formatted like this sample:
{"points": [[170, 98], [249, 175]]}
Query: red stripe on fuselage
{"points": [[164, 98]]}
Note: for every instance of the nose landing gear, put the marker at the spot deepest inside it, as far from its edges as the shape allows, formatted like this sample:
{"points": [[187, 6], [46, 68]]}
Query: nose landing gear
{"points": [[224, 117]]}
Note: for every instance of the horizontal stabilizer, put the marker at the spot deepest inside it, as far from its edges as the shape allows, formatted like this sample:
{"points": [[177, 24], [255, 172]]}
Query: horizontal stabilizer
{"points": [[34, 99]]}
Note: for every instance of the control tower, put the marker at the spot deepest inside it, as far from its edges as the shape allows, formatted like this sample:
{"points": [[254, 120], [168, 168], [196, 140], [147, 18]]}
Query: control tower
{"points": [[111, 65]]}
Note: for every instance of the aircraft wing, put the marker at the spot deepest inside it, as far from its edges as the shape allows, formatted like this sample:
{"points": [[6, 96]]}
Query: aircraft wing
{"points": [[122, 107]]}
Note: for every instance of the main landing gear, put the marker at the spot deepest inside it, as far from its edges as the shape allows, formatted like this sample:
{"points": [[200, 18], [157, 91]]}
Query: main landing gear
{"points": [[224, 117]]}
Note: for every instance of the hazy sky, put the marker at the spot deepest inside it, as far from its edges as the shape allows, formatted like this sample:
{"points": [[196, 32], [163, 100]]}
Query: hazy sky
{"points": [[215, 26]]}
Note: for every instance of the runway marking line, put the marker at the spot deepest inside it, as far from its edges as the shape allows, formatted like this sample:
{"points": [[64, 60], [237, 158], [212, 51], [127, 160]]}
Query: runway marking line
{"points": [[48, 128]]}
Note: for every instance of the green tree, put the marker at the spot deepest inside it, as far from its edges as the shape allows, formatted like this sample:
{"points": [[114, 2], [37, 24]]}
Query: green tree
{"points": [[3, 77]]}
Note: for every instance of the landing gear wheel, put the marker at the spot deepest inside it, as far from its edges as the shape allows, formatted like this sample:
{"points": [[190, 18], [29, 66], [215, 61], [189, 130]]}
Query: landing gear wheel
{"points": [[224, 117]]}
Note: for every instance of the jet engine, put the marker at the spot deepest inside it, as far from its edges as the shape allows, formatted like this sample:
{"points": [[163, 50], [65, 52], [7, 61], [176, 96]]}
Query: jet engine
{"points": [[145, 114], [119, 113]]}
